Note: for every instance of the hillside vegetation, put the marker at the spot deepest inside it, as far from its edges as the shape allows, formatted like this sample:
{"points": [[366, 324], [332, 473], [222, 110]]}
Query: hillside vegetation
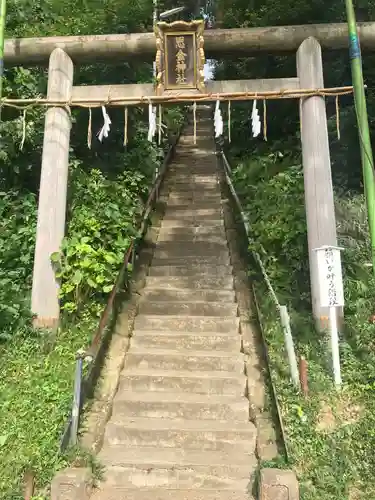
{"points": [[330, 434], [108, 186]]}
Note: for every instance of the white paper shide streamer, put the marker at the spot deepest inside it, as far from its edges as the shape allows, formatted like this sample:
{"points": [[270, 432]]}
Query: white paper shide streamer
{"points": [[151, 122], [218, 120], [255, 120], [106, 127]]}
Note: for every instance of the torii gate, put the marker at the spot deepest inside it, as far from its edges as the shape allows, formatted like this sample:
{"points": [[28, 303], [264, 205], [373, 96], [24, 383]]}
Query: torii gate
{"points": [[62, 51]]}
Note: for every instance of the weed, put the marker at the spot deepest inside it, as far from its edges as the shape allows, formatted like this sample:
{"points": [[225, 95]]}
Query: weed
{"points": [[331, 433]]}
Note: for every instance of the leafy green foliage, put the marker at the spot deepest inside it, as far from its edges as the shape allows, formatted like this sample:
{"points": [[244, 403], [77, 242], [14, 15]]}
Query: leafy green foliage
{"points": [[334, 462], [105, 213], [108, 187], [36, 379], [330, 434], [273, 197], [17, 233]]}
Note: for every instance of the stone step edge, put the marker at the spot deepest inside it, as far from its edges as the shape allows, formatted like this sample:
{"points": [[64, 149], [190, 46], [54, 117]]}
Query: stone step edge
{"points": [[198, 318], [182, 353], [182, 333], [224, 475], [165, 424], [186, 458], [193, 290], [213, 375], [124, 493], [177, 397], [213, 303]]}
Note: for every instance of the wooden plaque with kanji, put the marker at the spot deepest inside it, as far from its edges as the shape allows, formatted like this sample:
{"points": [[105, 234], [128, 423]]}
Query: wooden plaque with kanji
{"points": [[180, 56]]}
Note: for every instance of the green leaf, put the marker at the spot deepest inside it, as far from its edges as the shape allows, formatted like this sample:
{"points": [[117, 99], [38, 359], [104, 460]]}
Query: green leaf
{"points": [[110, 258], [55, 257], [92, 283], [77, 277], [3, 439], [107, 288]]}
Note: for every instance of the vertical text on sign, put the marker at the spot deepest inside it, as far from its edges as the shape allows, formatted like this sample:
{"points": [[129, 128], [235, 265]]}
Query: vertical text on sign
{"points": [[330, 277], [180, 53]]}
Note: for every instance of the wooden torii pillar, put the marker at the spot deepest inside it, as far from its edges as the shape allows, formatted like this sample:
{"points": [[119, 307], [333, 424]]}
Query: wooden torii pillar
{"points": [[319, 198], [320, 213], [52, 193]]}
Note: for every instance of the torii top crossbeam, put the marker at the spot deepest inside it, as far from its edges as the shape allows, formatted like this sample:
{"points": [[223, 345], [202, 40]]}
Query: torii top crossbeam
{"points": [[218, 43]]}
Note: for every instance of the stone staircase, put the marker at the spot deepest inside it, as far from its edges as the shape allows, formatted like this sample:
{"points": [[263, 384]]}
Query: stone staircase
{"points": [[180, 426]]}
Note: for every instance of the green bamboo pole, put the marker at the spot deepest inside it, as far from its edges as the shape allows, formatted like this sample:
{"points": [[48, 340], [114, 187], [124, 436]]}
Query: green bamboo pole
{"points": [[2, 30], [363, 125]]}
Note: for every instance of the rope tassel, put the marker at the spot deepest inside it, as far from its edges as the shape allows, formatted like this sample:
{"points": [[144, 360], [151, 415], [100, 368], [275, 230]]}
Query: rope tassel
{"points": [[229, 123], [125, 126], [89, 130], [195, 122], [23, 129], [160, 125], [265, 120], [338, 118]]}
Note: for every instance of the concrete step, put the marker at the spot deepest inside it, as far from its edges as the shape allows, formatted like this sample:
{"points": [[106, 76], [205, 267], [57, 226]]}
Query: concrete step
{"points": [[186, 434], [191, 260], [165, 295], [179, 405], [185, 233], [194, 202], [185, 159], [197, 189], [193, 215], [191, 223], [191, 478], [190, 283], [218, 237], [190, 232], [198, 249], [194, 199], [203, 341], [200, 150], [184, 360], [191, 166], [198, 177], [222, 259], [184, 176], [211, 194], [148, 457], [187, 180], [186, 324], [175, 308], [184, 182], [211, 383], [186, 269], [113, 493]]}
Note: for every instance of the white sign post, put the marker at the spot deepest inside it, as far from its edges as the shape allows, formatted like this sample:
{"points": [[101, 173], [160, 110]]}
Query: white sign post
{"points": [[331, 296]]}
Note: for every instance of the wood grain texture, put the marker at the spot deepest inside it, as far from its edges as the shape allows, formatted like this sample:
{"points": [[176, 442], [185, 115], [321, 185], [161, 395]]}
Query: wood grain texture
{"points": [[218, 43], [319, 201], [105, 92], [52, 194]]}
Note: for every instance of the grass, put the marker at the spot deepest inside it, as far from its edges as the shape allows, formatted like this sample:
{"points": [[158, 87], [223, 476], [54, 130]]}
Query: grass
{"points": [[36, 381], [331, 433]]}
